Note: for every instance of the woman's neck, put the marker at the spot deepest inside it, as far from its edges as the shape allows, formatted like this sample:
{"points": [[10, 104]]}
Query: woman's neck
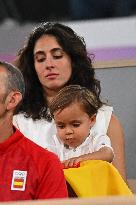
{"points": [[50, 94]]}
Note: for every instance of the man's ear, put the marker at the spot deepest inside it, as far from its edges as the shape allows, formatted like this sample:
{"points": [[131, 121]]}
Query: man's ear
{"points": [[92, 120], [13, 99]]}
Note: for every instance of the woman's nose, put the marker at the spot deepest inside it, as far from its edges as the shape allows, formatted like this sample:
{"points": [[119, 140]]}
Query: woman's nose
{"points": [[49, 63]]}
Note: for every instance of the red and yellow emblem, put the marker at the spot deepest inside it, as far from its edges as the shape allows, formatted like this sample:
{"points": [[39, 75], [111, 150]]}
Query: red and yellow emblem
{"points": [[18, 183], [19, 180]]}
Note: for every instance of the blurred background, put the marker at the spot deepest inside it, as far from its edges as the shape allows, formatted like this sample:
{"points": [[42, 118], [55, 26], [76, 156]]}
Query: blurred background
{"points": [[109, 29], [66, 10]]}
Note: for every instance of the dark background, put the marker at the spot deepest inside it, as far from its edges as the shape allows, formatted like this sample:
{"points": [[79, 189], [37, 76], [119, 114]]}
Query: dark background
{"points": [[67, 10]]}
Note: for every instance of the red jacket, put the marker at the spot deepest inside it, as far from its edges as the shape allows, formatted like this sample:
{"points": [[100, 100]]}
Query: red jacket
{"points": [[27, 171]]}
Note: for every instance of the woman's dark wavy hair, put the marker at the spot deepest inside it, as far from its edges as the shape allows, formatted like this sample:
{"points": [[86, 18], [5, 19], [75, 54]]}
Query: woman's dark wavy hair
{"points": [[34, 104]]}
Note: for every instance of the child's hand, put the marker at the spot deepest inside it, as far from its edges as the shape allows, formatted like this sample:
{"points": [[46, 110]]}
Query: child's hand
{"points": [[73, 162]]}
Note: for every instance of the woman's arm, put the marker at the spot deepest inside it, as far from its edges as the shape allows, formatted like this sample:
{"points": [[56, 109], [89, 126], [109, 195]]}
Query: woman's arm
{"points": [[115, 132]]}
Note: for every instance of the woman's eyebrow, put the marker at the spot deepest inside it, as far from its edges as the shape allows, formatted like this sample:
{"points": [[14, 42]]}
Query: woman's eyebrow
{"points": [[56, 49], [52, 50], [39, 52]]}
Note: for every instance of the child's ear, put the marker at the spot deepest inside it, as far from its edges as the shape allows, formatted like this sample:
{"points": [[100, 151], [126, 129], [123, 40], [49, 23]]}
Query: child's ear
{"points": [[13, 99], [92, 120]]}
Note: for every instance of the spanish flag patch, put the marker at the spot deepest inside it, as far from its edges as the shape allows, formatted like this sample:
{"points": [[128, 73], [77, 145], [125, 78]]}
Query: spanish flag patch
{"points": [[18, 180]]}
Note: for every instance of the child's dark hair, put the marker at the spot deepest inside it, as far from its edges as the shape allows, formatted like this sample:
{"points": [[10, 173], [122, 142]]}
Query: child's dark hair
{"points": [[75, 93]]}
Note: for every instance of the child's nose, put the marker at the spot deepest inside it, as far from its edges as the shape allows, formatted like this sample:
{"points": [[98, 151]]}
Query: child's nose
{"points": [[69, 131]]}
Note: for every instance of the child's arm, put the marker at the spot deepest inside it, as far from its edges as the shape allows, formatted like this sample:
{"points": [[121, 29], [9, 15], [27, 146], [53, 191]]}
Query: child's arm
{"points": [[104, 153]]}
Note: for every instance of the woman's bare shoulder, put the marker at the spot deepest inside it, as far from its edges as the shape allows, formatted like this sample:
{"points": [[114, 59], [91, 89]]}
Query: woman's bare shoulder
{"points": [[115, 125]]}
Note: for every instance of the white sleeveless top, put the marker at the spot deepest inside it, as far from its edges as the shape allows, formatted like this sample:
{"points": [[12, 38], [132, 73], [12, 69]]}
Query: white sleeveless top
{"points": [[41, 131]]}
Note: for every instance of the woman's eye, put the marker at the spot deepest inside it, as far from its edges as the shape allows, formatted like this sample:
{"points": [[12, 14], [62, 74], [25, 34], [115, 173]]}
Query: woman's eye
{"points": [[40, 60], [57, 56]]}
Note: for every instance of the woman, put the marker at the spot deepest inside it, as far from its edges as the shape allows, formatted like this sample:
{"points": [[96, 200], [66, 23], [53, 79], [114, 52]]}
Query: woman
{"points": [[53, 57]]}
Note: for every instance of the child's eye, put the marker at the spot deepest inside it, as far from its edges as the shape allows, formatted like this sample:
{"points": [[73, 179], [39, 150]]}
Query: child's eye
{"points": [[60, 126], [76, 124]]}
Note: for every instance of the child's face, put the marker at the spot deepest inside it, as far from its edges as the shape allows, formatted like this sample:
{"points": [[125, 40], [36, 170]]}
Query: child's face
{"points": [[73, 124]]}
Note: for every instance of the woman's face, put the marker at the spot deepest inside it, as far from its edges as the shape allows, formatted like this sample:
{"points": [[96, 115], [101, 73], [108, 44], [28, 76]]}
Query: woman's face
{"points": [[52, 64]]}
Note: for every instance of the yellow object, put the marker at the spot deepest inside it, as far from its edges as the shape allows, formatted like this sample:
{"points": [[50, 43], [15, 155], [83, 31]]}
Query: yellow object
{"points": [[96, 178]]}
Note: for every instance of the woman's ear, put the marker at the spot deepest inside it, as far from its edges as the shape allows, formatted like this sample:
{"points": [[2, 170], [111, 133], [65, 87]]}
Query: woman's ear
{"points": [[92, 120], [13, 99]]}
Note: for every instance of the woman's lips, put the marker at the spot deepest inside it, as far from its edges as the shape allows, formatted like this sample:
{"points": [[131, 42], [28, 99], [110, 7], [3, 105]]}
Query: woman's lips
{"points": [[52, 75]]}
